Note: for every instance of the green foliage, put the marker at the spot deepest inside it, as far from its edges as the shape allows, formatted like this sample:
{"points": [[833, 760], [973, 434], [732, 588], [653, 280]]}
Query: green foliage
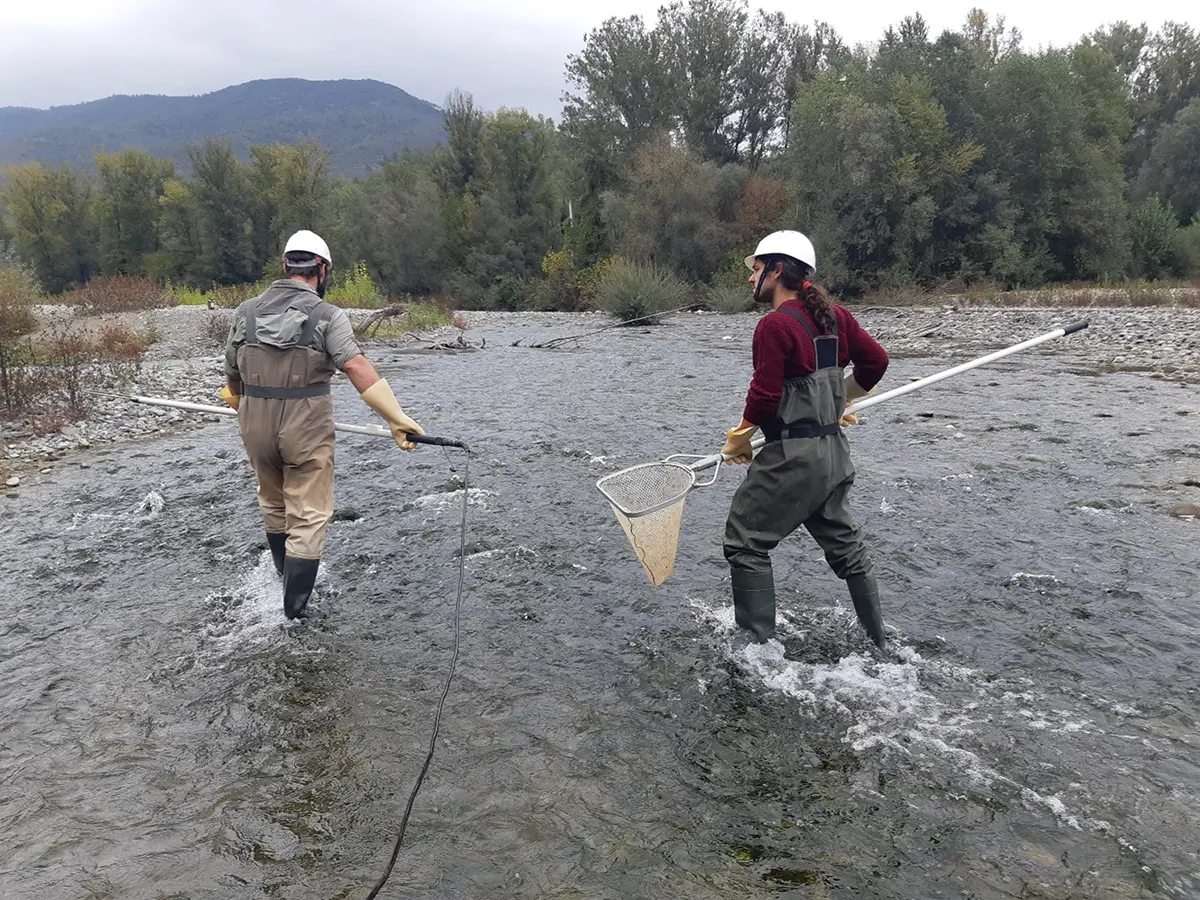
{"points": [[1187, 249], [1152, 228], [356, 291], [18, 293], [634, 291], [127, 207], [187, 296], [52, 224], [913, 162], [426, 317]]}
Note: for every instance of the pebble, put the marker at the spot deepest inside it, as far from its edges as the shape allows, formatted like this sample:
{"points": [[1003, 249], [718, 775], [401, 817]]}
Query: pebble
{"points": [[13, 481]]}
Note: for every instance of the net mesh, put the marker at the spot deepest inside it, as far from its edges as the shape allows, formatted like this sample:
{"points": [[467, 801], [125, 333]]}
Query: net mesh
{"points": [[648, 503]]}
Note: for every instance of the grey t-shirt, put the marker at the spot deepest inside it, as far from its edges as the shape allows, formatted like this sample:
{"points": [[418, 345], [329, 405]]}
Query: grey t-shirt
{"points": [[280, 313]]}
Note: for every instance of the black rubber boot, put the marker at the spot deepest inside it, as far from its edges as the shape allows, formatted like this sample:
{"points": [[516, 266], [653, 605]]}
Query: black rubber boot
{"points": [[754, 602], [299, 575], [278, 544], [865, 594]]}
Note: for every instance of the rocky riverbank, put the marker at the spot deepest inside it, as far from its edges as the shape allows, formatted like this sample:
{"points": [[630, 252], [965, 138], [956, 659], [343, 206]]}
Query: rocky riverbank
{"points": [[184, 362]]}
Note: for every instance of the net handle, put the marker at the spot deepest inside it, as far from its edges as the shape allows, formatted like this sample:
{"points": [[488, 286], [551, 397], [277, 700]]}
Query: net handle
{"points": [[708, 462]]}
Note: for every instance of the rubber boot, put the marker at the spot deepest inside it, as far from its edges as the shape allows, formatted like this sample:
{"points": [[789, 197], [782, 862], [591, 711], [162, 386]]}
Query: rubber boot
{"points": [[865, 594], [299, 575], [754, 602], [277, 543]]}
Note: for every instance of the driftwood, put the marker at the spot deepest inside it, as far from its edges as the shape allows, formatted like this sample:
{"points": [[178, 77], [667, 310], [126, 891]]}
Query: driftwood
{"points": [[459, 343], [558, 342], [372, 322], [369, 327]]}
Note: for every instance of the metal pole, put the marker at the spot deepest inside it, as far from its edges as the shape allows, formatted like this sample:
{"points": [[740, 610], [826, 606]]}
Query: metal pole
{"points": [[866, 402]]}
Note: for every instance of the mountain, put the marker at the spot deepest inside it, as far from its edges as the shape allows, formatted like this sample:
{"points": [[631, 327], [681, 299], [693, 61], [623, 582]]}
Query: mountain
{"points": [[359, 123]]}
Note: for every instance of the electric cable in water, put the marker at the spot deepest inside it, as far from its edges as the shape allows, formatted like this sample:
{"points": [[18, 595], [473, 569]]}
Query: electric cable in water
{"points": [[437, 717]]}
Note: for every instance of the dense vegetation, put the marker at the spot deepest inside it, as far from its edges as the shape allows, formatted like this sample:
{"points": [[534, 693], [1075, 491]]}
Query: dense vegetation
{"points": [[923, 160]]}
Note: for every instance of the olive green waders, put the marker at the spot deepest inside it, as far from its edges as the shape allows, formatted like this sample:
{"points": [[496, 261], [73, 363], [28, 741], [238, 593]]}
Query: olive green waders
{"points": [[802, 476], [286, 422]]}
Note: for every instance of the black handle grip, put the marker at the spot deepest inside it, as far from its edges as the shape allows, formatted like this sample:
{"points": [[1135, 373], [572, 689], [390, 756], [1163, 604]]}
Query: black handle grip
{"points": [[1075, 326], [436, 441]]}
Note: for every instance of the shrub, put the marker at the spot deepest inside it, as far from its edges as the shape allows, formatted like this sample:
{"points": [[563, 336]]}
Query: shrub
{"points": [[187, 296], [357, 291], [119, 293], [633, 292], [725, 298], [233, 295], [216, 329], [1152, 228]]}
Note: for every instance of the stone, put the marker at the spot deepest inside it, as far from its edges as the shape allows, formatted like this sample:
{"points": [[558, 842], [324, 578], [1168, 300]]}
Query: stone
{"points": [[1185, 510], [13, 481]]}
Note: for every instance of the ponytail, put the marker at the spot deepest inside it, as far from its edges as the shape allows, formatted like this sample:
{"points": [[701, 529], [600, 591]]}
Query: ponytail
{"points": [[819, 307]]}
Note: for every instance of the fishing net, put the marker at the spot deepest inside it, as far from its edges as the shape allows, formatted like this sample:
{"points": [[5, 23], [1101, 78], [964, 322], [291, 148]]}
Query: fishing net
{"points": [[648, 502]]}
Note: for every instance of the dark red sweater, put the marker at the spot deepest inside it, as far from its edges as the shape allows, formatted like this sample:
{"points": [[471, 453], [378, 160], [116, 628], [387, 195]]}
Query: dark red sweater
{"points": [[783, 349]]}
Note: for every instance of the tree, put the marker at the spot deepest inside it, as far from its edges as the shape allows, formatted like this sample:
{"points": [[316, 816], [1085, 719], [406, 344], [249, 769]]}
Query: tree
{"points": [[127, 207], [620, 94], [52, 223], [704, 41], [679, 211], [405, 236], [223, 197], [1173, 169], [291, 185], [179, 245]]}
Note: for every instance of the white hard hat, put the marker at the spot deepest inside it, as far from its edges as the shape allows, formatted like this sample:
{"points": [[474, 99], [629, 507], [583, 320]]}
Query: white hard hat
{"points": [[786, 243], [308, 242]]}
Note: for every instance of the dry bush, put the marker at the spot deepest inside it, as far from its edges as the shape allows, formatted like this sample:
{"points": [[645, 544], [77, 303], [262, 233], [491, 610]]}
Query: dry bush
{"points": [[216, 328], [120, 293]]}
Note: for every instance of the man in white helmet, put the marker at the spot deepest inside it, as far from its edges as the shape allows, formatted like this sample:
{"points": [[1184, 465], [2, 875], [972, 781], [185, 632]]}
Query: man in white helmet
{"points": [[803, 474], [283, 348]]}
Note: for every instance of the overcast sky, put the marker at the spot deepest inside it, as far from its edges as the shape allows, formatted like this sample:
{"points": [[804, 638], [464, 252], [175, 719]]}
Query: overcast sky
{"points": [[504, 52]]}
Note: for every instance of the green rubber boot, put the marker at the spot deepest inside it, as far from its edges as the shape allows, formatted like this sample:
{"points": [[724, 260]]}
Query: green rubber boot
{"points": [[865, 594], [754, 602]]}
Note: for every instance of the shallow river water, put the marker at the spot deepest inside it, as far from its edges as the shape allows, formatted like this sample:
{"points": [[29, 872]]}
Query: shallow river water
{"points": [[164, 735]]}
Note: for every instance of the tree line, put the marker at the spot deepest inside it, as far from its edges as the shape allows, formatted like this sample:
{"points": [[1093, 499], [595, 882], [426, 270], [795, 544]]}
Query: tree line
{"points": [[918, 160]]}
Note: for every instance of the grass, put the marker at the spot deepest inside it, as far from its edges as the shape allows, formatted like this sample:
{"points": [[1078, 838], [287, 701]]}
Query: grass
{"points": [[416, 318]]}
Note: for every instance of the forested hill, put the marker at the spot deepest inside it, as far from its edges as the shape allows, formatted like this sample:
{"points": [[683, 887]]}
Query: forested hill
{"points": [[358, 123]]}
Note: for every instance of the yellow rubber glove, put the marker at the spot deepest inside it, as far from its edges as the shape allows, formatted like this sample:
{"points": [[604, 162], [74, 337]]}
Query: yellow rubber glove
{"points": [[737, 449], [853, 392], [380, 398], [230, 398]]}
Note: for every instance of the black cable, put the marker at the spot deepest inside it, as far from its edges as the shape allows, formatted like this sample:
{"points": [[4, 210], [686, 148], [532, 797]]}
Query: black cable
{"points": [[437, 718]]}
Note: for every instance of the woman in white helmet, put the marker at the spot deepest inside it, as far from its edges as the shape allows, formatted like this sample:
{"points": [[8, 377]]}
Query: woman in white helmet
{"points": [[797, 397], [283, 348]]}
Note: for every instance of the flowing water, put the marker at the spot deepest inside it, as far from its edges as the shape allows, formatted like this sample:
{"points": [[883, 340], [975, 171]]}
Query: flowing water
{"points": [[165, 735]]}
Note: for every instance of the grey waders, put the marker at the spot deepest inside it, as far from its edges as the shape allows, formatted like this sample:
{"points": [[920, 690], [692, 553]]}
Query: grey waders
{"points": [[802, 476], [286, 423]]}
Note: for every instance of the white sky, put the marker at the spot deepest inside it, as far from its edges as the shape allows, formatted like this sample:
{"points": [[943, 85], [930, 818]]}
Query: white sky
{"points": [[504, 52]]}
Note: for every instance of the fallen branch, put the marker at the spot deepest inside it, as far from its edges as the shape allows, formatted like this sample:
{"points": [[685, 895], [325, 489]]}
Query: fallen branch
{"points": [[554, 342], [372, 322]]}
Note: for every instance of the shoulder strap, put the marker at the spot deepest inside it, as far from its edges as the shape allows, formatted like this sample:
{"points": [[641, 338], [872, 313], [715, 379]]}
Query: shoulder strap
{"points": [[803, 320], [319, 312], [251, 321]]}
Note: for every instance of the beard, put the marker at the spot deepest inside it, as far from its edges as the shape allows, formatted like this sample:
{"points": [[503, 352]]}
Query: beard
{"points": [[764, 294]]}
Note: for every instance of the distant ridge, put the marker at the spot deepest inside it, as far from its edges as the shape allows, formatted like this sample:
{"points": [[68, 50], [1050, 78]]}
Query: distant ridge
{"points": [[359, 123]]}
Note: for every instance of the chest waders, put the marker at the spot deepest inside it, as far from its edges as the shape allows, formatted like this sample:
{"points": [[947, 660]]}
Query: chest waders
{"points": [[286, 423], [802, 476]]}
